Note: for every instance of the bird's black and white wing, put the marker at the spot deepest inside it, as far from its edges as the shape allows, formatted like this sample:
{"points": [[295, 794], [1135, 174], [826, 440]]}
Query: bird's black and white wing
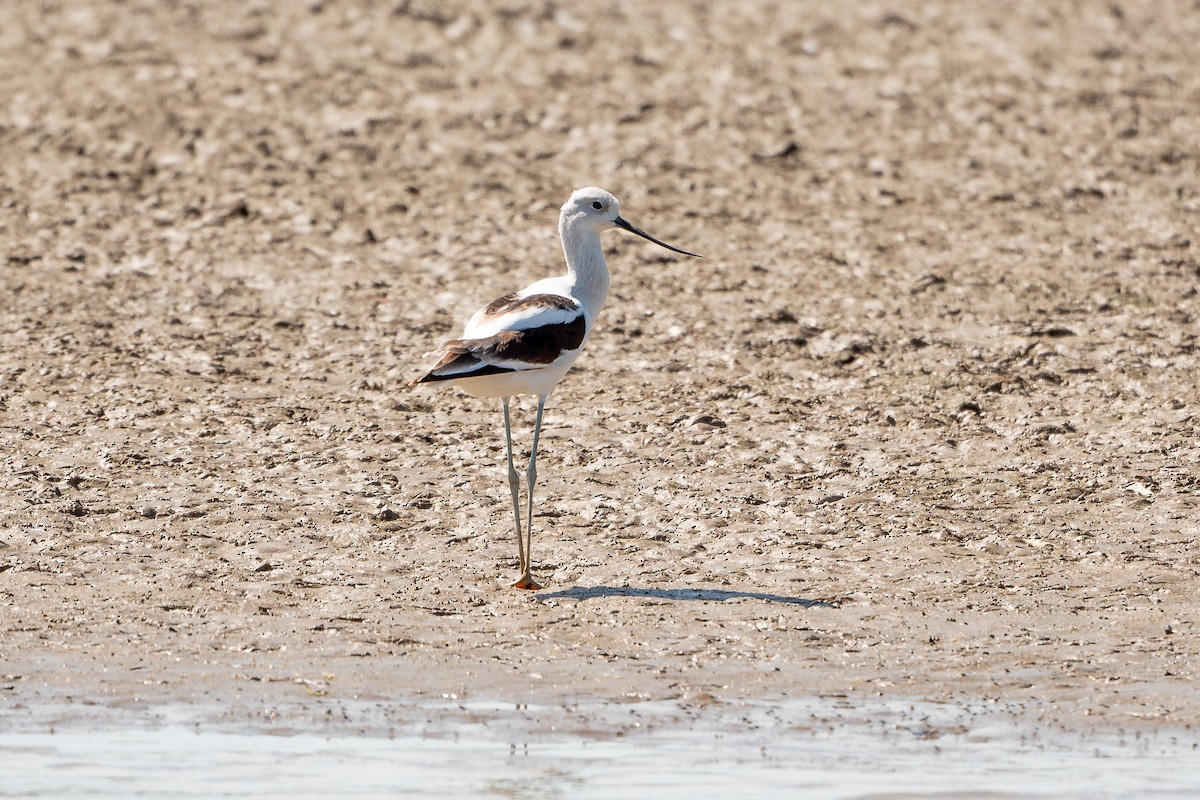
{"points": [[513, 334]]}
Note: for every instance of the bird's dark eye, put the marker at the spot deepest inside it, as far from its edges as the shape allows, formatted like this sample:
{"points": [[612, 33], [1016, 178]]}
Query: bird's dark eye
{"points": [[596, 204]]}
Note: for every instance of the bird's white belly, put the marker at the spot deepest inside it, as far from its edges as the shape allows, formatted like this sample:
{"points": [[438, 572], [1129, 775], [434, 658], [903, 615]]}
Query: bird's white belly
{"points": [[509, 384]]}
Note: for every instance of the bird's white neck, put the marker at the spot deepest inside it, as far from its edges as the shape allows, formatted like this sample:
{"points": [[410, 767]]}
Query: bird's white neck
{"points": [[587, 271]]}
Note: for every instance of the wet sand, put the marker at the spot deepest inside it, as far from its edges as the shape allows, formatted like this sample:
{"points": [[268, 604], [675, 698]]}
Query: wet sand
{"points": [[921, 426]]}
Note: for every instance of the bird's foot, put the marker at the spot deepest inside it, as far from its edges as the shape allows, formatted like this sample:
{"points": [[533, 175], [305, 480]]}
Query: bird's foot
{"points": [[527, 582]]}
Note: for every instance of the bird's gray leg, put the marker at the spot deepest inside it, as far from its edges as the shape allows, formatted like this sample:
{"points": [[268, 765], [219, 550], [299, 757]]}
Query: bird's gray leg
{"points": [[527, 581], [514, 483]]}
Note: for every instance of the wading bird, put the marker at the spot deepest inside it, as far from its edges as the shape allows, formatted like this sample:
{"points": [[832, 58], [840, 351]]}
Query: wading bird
{"points": [[524, 342]]}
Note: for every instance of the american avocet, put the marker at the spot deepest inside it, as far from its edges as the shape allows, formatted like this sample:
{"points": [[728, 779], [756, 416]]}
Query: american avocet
{"points": [[525, 342]]}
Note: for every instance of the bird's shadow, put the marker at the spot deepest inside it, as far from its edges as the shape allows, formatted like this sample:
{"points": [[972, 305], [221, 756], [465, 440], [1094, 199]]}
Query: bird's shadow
{"points": [[706, 595]]}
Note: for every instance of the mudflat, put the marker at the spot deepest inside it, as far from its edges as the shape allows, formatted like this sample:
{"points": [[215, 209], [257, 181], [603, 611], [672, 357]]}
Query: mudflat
{"points": [[921, 426]]}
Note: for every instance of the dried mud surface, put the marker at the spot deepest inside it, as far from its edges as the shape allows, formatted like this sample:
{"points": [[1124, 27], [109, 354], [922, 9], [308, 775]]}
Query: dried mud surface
{"points": [[921, 425]]}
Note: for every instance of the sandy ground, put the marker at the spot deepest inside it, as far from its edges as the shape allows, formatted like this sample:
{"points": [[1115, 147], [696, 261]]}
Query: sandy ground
{"points": [[922, 425]]}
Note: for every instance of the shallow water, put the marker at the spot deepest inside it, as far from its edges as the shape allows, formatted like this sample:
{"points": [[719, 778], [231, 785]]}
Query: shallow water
{"points": [[844, 761]]}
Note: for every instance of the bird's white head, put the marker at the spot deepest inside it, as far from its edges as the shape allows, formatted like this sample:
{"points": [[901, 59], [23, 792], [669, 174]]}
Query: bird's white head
{"points": [[598, 210], [593, 207]]}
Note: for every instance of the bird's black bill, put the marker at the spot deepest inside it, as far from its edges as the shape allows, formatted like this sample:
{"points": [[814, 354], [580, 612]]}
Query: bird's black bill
{"points": [[621, 223]]}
